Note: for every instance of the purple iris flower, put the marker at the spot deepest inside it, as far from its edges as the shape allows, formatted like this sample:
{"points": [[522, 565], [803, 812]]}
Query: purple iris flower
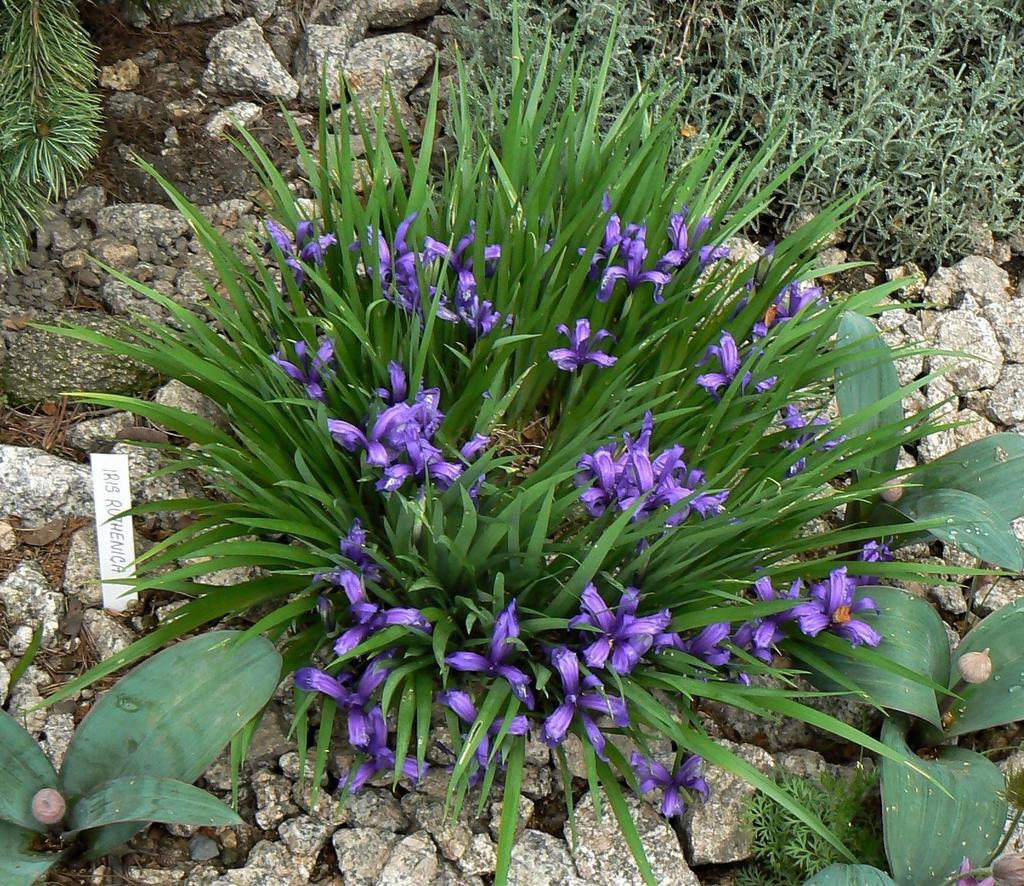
{"points": [[832, 607], [729, 358], [397, 267], [621, 635], [707, 645], [609, 242], [351, 701], [426, 461], [664, 480], [461, 703], [581, 348], [632, 248], [967, 880], [371, 618], [399, 386], [381, 757], [759, 636], [794, 421], [790, 302], [311, 248], [305, 371], [477, 314], [872, 552], [353, 548], [500, 649], [580, 699], [682, 240], [651, 774], [460, 259], [383, 440]]}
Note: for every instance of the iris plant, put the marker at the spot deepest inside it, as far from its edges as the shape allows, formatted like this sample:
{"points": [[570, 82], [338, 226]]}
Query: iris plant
{"points": [[686, 777], [621, 636], [728, 356], [307, 371], [495, 663], [581, 697], [582, 348], [832, 607]]}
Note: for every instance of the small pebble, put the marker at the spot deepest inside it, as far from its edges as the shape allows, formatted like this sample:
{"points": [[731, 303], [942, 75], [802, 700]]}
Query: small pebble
{"points": [[202, 848]]}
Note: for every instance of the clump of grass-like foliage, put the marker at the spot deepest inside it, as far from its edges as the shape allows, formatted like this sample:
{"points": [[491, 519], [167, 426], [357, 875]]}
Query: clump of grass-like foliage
{"points": [[522, 448], [917, 102], [786, 851]]}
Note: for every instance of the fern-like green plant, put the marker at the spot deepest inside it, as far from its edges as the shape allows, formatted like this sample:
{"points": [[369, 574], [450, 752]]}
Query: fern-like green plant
{"points": [[786, 851]]}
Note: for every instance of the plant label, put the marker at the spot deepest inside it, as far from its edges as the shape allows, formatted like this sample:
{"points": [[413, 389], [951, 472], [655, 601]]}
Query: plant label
{"points": [[114, 534]]}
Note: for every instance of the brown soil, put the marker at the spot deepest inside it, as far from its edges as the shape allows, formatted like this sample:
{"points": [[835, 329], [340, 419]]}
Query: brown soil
{"points": [[205, 169]]}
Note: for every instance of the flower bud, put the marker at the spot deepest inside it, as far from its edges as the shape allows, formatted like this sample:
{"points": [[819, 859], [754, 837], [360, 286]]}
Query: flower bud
{"points": [[1009, 870], [893, 491], [975, 667], [48, 806], [764, 264], [325, 609]]}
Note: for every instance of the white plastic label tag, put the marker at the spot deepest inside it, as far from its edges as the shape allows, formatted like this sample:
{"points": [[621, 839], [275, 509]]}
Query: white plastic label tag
{"points": [[115, 536]]}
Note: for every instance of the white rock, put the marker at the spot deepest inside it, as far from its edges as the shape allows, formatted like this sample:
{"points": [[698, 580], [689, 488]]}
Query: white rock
{"points": [[393, 13], [82, 568], [180, 396], [399, 59], [967, 331], [538, 859], [718, 831], [974, 427], [109, 635], [362, 853], [602, 854], [242, 112], [241, 61], [413, 862], [93, 433], [1006, 403], [325, 48], [29, 602], [38, 486]]}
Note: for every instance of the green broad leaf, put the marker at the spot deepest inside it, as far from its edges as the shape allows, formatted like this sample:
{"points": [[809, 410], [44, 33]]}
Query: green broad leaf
{"points": [[930, 826], [972, 524], [992, 469], [19, 864], [914, 639], [866, 378], [24, 770], [1000, 699], [169, 718], [142, 798], [850, 875]]}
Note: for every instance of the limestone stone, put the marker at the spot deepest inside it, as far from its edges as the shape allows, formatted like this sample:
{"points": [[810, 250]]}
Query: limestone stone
{"points": [[241, 61], [362, 853], [42, 366], [39, 487], [602, 854], [717, 830]]}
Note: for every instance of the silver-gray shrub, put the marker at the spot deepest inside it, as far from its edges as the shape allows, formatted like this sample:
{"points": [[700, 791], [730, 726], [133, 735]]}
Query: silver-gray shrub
{"points": [[922, 102]]}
